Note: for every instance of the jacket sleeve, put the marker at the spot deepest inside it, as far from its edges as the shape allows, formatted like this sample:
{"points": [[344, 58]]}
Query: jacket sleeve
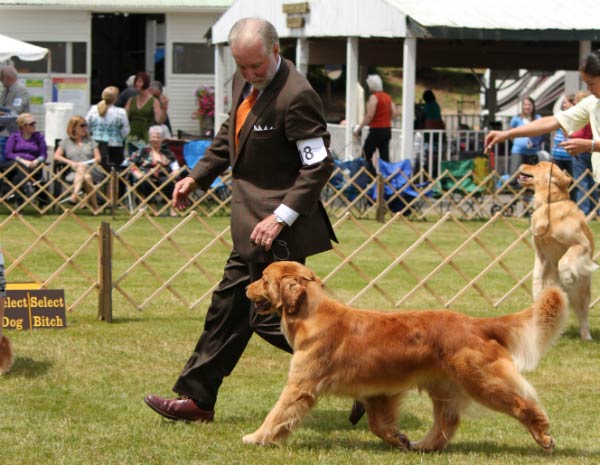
{"points": [[215, 160], [304, 120]]}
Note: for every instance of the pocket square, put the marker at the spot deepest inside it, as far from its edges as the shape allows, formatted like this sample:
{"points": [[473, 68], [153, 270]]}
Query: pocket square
{"points": [[259, 128]]}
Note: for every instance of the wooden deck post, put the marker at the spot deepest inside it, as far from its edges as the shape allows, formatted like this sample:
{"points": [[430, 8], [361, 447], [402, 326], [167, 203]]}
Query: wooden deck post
{"points": [[105, 273]]}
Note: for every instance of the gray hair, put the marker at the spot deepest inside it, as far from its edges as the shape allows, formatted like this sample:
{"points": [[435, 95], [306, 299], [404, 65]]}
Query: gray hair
{"points": [[130, 80], [374, 83], [8, 71], [156, 129], [156, 85], [249, 29]]}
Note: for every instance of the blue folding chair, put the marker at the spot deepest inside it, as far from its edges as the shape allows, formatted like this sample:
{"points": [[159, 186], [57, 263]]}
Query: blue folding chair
{"points": [[397, 191], [193, 151]]}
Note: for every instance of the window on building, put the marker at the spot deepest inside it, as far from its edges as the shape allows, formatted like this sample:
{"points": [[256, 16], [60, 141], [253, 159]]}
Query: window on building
{"points": [[79, 55], [58, 53], [193, 58]]}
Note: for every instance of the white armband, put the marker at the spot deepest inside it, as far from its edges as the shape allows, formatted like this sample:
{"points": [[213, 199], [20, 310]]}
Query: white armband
{"points": [[312, 150]]}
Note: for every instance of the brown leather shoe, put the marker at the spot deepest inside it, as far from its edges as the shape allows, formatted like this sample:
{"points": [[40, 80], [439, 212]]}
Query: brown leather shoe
{"points": [[179, 409], [356, 412]]}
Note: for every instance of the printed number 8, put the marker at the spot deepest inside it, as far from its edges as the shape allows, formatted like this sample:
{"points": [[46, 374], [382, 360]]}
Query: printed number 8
{"points": [[308, 153]]}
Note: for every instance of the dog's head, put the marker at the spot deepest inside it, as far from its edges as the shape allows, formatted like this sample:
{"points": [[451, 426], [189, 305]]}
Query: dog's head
{"points": [[281, 288], [544, 176]]}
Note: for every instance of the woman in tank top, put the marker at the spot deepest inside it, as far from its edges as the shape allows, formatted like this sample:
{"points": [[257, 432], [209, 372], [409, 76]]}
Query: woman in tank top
{"points": [[379, 114], [143, 111]]}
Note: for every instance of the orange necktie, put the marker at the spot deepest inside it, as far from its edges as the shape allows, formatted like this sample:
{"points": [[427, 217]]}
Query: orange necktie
{"points": [[242, 112]]}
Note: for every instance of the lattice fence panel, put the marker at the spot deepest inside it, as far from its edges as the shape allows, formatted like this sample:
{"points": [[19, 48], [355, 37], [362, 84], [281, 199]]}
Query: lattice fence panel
{"points": [[44, 256], [178, 261]]}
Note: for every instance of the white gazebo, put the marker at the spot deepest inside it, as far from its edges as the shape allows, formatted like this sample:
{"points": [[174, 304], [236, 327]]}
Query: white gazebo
{"points": [[513, 34]]}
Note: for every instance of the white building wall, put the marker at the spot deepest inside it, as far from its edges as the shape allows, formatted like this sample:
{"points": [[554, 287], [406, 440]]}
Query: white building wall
{"points": [[37, 25], [180, 88]]}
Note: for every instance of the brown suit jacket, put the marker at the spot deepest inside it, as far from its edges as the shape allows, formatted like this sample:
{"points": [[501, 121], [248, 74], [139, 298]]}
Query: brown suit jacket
{"points": [[267, 168]]}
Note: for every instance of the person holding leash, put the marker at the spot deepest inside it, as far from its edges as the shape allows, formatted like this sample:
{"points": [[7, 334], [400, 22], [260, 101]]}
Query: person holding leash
{"points": [[277, 145]]}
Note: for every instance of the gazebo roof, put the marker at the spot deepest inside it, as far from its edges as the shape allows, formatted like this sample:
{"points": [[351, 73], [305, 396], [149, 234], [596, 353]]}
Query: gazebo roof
{"points": [[456, 19]]}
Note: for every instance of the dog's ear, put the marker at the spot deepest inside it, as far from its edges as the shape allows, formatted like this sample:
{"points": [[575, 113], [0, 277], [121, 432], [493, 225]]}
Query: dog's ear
{"points": [[291, 292], [562, 178]]}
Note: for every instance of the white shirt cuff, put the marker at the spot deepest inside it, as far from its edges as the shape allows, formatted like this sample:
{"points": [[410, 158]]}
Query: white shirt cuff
{"points": [[286, 214]]}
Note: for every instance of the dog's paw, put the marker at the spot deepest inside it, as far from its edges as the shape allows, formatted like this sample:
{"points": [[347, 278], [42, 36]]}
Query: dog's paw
{"points": [[548, 444], [257, 439], [403, 441]]}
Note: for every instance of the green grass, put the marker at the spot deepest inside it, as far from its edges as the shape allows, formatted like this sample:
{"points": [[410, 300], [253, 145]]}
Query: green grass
{"points": [[75, 396]]}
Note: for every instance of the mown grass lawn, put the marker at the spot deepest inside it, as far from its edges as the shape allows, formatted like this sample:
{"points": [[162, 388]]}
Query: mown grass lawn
{"points": [[75, 396]]}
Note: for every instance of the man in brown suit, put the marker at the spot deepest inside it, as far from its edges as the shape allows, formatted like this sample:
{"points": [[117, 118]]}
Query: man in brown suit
{"points": [[280, 162]]}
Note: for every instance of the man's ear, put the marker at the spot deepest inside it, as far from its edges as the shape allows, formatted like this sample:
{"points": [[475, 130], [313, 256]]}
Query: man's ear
{"points": [[291, 292]]}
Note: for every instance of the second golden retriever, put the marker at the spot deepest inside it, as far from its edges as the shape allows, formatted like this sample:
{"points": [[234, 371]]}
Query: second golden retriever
{"points": [[563, 240], [376, 357]]}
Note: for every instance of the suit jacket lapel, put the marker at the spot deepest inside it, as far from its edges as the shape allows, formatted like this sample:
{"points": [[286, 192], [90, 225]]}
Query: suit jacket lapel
{"points": [[261, 104]]}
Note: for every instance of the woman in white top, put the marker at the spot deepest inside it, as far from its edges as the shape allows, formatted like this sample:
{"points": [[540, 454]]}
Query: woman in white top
{"points": [[570, 120], [109, 127]]}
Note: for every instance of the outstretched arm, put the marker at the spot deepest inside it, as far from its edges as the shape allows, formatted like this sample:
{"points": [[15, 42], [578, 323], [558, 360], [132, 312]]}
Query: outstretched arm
{"points": [[535, 128]]}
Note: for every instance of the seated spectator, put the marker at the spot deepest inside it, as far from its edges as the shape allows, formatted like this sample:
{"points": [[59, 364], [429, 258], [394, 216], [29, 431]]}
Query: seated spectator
{"points": [[153, 166], [80, 152], [27, 148]]}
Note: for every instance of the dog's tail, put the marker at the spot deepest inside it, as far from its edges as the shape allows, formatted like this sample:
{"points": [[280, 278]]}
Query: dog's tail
{"points": [[529, 334], [6, 355]]}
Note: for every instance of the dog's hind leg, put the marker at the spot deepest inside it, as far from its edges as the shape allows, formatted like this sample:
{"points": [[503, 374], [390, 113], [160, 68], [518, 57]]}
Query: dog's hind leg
{"points": [[579, 300], [499, 386], [295, 402], [383, 419], [446, 419]]}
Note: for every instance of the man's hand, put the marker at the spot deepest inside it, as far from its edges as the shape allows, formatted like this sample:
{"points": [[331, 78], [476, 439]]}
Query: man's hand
{"points": [[265, 232], [181, 192], [494, 137]]}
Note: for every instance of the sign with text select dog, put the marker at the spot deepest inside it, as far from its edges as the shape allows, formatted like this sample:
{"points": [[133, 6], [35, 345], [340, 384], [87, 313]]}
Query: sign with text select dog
{"points": [[34, 309]]}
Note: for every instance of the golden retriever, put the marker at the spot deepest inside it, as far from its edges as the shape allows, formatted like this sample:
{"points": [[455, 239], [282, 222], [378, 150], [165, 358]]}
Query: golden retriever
{"points": [[376, 357], [563, 240]]}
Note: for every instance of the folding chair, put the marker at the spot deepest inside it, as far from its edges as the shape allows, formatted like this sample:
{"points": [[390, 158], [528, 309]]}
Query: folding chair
{"points": [[193, 151], [456, 187], [399, 188], [350, 184]]}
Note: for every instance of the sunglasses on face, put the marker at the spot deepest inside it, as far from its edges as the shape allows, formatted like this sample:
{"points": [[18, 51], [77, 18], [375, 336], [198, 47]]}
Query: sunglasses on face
{"points": [[33, 123], [83, 126]]}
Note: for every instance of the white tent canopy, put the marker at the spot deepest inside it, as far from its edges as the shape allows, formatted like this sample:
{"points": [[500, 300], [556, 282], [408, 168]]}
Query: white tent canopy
{"points": [[10, 47]]}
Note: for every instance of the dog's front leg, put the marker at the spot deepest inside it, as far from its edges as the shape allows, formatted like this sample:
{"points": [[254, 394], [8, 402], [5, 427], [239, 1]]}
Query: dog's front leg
{"points": [[295, 402], [537, 280]]}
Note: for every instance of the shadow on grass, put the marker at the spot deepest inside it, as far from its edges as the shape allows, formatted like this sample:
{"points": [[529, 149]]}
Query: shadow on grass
{"points": [[484, 448], [573, 333], [25, 367], [493, 449]]}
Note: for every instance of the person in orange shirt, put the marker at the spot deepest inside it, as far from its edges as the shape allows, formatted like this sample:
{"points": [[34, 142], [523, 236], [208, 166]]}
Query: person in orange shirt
{"points": [[380, 112]]}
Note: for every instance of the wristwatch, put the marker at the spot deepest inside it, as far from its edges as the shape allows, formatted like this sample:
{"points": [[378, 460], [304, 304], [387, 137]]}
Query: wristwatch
{"points": [[280, 221]]}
